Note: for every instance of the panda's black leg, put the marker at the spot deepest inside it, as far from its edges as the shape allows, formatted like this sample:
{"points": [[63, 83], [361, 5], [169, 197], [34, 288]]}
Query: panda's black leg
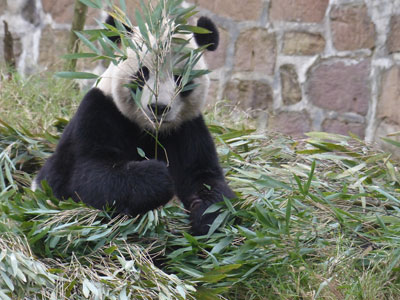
{"points": [[205, 197]]}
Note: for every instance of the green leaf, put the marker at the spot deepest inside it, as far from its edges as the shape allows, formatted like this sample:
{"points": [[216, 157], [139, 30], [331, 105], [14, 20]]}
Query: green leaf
{"points": [[394, 262], [392, 142], [267, 181], [110, 250], [88, 43], [386, 194], [123, 5], [288, 214], [221, 245], [141, 152], [212, 278], [79, 55], [76, 75], [217, 222], [7, 280], [310, 176], [100, 235], [142, 27], [194, 29], [92, 4]]}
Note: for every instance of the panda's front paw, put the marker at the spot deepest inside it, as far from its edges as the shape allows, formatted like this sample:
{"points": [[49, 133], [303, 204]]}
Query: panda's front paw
{"points": [[152, 181], [201, 222]]}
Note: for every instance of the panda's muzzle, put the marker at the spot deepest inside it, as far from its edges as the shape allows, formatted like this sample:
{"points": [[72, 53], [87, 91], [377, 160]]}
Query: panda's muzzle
{"points": [[159, 110]]}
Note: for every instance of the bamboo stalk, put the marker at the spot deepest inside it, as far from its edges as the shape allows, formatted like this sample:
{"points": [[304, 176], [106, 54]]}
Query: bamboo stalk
{"points": [[78, 23]]}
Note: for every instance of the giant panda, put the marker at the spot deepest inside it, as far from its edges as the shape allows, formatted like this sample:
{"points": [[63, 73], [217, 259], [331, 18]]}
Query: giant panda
{"points": [[99, 158]]}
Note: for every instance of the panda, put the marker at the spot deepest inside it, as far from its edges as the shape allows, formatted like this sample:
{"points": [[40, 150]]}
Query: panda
{"points": [[106, 156]]}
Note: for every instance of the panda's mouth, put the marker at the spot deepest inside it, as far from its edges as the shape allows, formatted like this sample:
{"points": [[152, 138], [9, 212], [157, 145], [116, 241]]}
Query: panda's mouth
{"points": [[159, 120]]}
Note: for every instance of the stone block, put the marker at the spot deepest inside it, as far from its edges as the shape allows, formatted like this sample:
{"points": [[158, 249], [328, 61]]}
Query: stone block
{"points": [[291, 90], [15, 7], [212, 96], [294, 123], [352, 28], [235, 9], [255, 51], [3, 6], [310, 11], [389, 99], [384, 130], [303, 43], [248, 94], [344, 127], [62, 11], [393, 42], [216, 59], [53, 44], [337, 86]]}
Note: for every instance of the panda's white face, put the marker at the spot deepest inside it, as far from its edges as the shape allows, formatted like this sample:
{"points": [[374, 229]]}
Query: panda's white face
{"points": [[162, 101]]}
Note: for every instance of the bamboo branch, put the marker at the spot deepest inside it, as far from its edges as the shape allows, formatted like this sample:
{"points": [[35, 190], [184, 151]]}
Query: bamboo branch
{"points": [[78, 24]]}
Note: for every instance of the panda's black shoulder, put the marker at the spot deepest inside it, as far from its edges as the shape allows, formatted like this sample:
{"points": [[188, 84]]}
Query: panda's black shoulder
{"points": [[97, 107], [98, 121], [96, 103]]}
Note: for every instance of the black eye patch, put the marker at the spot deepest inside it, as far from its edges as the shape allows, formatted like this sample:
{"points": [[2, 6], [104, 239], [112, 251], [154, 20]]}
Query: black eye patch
{"points": [[184, 93], [140, 78]]}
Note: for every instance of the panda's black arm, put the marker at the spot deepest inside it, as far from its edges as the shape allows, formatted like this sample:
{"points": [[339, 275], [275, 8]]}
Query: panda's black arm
{"points": [[199, 180], [129, 187]]}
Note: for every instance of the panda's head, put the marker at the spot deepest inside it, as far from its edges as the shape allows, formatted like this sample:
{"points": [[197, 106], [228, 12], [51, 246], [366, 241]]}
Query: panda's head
{"points": [[164, 102]]}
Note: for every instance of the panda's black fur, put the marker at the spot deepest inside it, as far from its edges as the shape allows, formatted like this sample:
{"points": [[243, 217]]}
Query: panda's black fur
{"points": [[97, 161]]}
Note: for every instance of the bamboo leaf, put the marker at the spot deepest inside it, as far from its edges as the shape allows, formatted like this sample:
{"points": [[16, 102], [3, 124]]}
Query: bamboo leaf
{"points": [[91, 3], [76, 75], [7, 280], [79, 55], [88, 43], [194, 29]]}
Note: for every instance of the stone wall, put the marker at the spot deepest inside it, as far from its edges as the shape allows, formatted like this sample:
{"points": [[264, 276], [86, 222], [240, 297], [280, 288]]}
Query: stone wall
{"points": [[298, 65]]}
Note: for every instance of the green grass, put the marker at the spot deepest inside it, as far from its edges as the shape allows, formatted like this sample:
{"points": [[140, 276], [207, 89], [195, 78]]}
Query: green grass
{"points": [[314, 219], [35, 101]]}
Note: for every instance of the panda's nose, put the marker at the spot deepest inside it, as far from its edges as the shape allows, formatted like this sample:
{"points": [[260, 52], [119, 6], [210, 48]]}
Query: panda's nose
{"points": [[159, 109]]}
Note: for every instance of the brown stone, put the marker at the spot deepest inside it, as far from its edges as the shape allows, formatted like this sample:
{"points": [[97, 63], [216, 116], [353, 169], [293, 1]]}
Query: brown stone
{"points": [[62, 11], [291, 123], [311, 11], [303, 43], [256, 51], [340, 87], [389, 100], [344, 127], [249, 94], [3, 6], [291, 90], [393, 43], [53, 44], [235, 9], [216, 59], [352, 28], [384, 130], [212, 96]]}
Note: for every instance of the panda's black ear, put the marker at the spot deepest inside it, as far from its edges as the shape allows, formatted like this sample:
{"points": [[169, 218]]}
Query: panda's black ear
{"points": [[208, 38], [110, 21]]}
